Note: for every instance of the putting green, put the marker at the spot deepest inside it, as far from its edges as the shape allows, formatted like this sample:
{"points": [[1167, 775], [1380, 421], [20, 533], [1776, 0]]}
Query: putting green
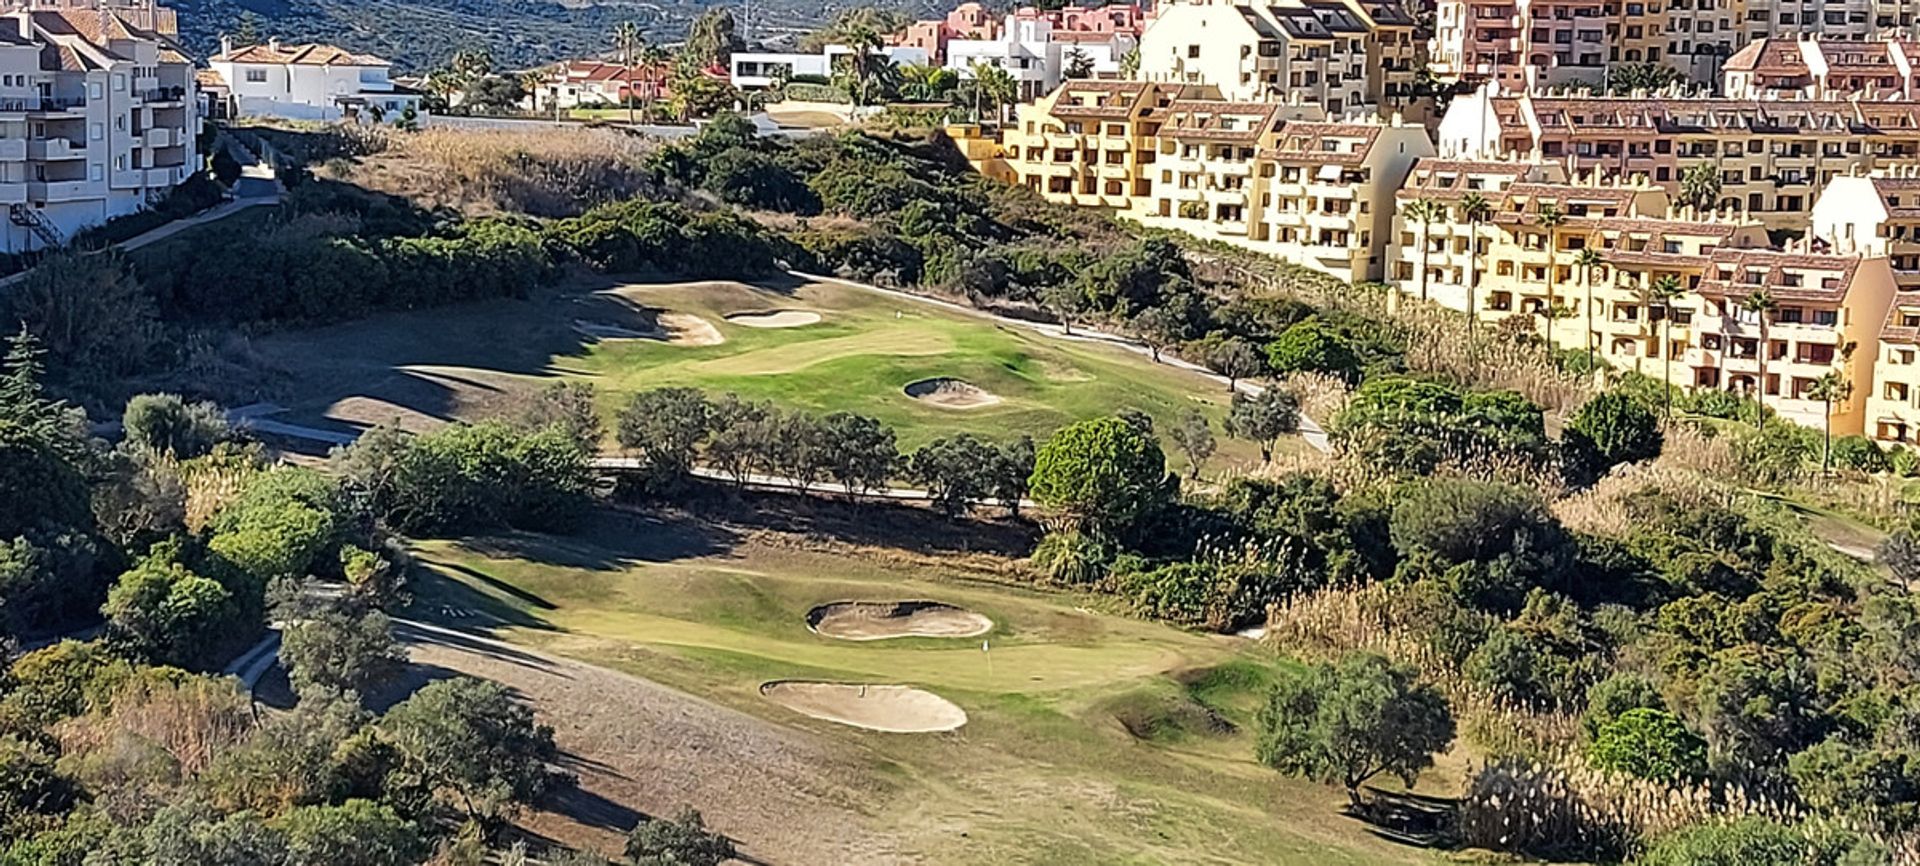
{"points": [[867, 347]]}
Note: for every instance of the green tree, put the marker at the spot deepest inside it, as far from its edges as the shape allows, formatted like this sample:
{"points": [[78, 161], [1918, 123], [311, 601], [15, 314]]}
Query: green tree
{"points": [[920, 82], [1761, 304], [1700, 186], [1608, 699], [1608, 430], [995, 87], [167, 613], [1130, 64], [1550, 218], [1424, 212], [1650, 744], [1832, 387], [354, 833], [1159, 326], [1235, 358], [1586, 260], [861, 451], [29, 787], [1663, 292], [1079, 64], [473, 744], [712, 39], [630, 41], [166, 424], [1755, 841], [1194, 436], [681, 841], [332, 647], [1263, 419], [1475, 210], [1103, 475], [1350, 722], [1310, 345], [955, 471]]}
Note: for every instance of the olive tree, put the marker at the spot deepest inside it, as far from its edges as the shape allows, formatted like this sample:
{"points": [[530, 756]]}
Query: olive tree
{"points": [[1350, 722]]}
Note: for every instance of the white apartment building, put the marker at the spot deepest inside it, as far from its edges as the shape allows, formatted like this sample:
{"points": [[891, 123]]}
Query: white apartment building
{"points": [[1037, 56], [309, 82], [1298, 51], [758, 70], [97, 117]]}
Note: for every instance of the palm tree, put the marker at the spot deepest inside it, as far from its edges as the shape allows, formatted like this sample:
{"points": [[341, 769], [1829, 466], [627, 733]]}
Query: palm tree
{"points": [[1761, 304], [1663, 291], [1475, 209], [925, 83], [996, 85], [1829, 389], [1425, 212], [630, 42], [1700, 186], [1588, 259], [1550, 218], [863, 44]]}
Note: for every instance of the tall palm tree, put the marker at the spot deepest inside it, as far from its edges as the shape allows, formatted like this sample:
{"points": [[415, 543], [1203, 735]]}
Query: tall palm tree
{"points": [[630, 42], [1588, 259], [1474, 208], [1761, 304], [1829, 389], [996, 85], [1425, 212], [863, 43], [1550, 218], [1663, 291]]}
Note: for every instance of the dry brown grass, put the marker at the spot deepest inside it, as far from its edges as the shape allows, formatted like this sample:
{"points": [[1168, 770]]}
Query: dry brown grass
{"points": [[545, 172]]}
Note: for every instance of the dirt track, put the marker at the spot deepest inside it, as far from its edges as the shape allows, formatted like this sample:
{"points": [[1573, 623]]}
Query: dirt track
{"points": [[784, 795]]}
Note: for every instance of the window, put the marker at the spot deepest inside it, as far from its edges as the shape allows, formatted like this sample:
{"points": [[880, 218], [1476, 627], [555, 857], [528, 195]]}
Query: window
{"points": [[257, 76]]}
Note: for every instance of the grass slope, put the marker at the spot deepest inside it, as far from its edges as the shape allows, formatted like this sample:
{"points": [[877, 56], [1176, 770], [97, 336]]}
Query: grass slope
{"points": [[462, 362], [1049, 768]]}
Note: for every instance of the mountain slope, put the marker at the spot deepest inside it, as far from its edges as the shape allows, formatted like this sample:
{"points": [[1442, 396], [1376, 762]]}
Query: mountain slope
{"points": [[419, 34]]}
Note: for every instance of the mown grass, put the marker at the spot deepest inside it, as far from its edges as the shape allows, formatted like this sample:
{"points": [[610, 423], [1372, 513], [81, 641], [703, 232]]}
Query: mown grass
{"points": [[1049, 769], [868, 347]]}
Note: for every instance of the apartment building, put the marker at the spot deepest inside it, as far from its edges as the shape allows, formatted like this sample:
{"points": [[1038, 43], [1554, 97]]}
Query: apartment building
{"points": [[1092, 143], [1830, 69], [759, 70], [309, 81], [1772, 157], [1038, 56], [1838, 19], [1314, 193], [973, 21], [1447, 247], [1831, 308], [97, 117], [1893, 398], [1877, 213], [1309, 53], [1393, 58], [1529, 43]]}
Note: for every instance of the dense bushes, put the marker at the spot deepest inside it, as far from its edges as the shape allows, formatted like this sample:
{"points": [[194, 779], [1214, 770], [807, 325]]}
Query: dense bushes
{"points": [[467, 477], [666, 237]]}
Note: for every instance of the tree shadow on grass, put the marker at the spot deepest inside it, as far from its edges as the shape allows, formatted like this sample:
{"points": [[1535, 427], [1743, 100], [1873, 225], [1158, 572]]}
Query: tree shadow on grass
{"points": [[440, 598], [897, 525], [608, 539]]}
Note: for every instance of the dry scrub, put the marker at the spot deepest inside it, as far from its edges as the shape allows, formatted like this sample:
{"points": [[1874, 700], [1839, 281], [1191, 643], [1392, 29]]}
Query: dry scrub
{"points": [[548, 172]]}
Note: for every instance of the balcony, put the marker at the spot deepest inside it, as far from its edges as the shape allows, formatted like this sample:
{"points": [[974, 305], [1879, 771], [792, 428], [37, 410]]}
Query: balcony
{"points": [[61, 190], [160, 94], [164, 177], [55, 149], [13, 193], [60, 104], [161, 136], [13, 149]]}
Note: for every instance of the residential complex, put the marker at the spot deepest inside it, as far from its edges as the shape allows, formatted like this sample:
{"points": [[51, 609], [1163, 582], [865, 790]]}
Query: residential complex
{"points": [[1312, 51], [1771, 157], [758, 70], [309, 82], [1821, 69], [590, 83], [97, 117], [974, 22], [1090, 143], [1037, 55]]}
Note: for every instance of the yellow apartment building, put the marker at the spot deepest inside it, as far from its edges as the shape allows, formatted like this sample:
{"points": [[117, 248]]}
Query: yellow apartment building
{"points": [[1090, 143], [1893, 403], [1313, 193], [1772, 156], [1449, 257], [1830, 311]]}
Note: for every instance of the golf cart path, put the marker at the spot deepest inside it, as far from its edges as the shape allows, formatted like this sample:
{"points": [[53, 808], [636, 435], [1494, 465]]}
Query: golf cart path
{"points": [[1309, 429]]}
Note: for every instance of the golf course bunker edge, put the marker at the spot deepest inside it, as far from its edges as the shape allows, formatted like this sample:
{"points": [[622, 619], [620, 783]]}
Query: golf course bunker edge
{"points": [[775, 318], [880, 620], [892, 709], [947, 392]]}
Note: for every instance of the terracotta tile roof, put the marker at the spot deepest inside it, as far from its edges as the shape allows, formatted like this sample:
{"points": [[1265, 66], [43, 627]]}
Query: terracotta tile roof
{"points": [[1728, 275], [1219, 120], [1894, 331], [206, 78], [1447, 179], [1772, 56], [1324, 143], [305, 54]]}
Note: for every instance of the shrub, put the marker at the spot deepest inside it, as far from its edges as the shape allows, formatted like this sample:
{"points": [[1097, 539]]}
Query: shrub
{"points": [[1309, 346], [1072, 558], [1609, 430], [469, 477], [166, 424], [1859, 454], [1650, 744]]}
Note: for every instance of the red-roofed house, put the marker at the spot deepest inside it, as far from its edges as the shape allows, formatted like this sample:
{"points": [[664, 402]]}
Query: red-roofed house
{"points": [[593, 83]]}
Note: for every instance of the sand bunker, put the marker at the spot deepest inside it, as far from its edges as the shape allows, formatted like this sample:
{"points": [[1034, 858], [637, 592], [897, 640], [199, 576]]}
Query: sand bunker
{"points": [[950, 393], [879, 620], [679, 329], [776, 319], [893, 709]]}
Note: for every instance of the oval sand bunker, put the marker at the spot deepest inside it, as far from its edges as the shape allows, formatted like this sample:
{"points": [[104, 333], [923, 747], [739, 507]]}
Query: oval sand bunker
{"points": [[893, 709], [879, 620], [776, 319], [948, 393]]}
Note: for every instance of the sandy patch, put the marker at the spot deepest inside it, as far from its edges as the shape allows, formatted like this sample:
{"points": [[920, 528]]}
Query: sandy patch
{"points": [[678, 329], [950, 393], [776, 319], [893, 709], [879, 620]]}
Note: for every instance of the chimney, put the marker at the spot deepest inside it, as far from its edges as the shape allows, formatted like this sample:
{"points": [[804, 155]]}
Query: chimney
{"points": [[273, 44], [226, 44]]}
